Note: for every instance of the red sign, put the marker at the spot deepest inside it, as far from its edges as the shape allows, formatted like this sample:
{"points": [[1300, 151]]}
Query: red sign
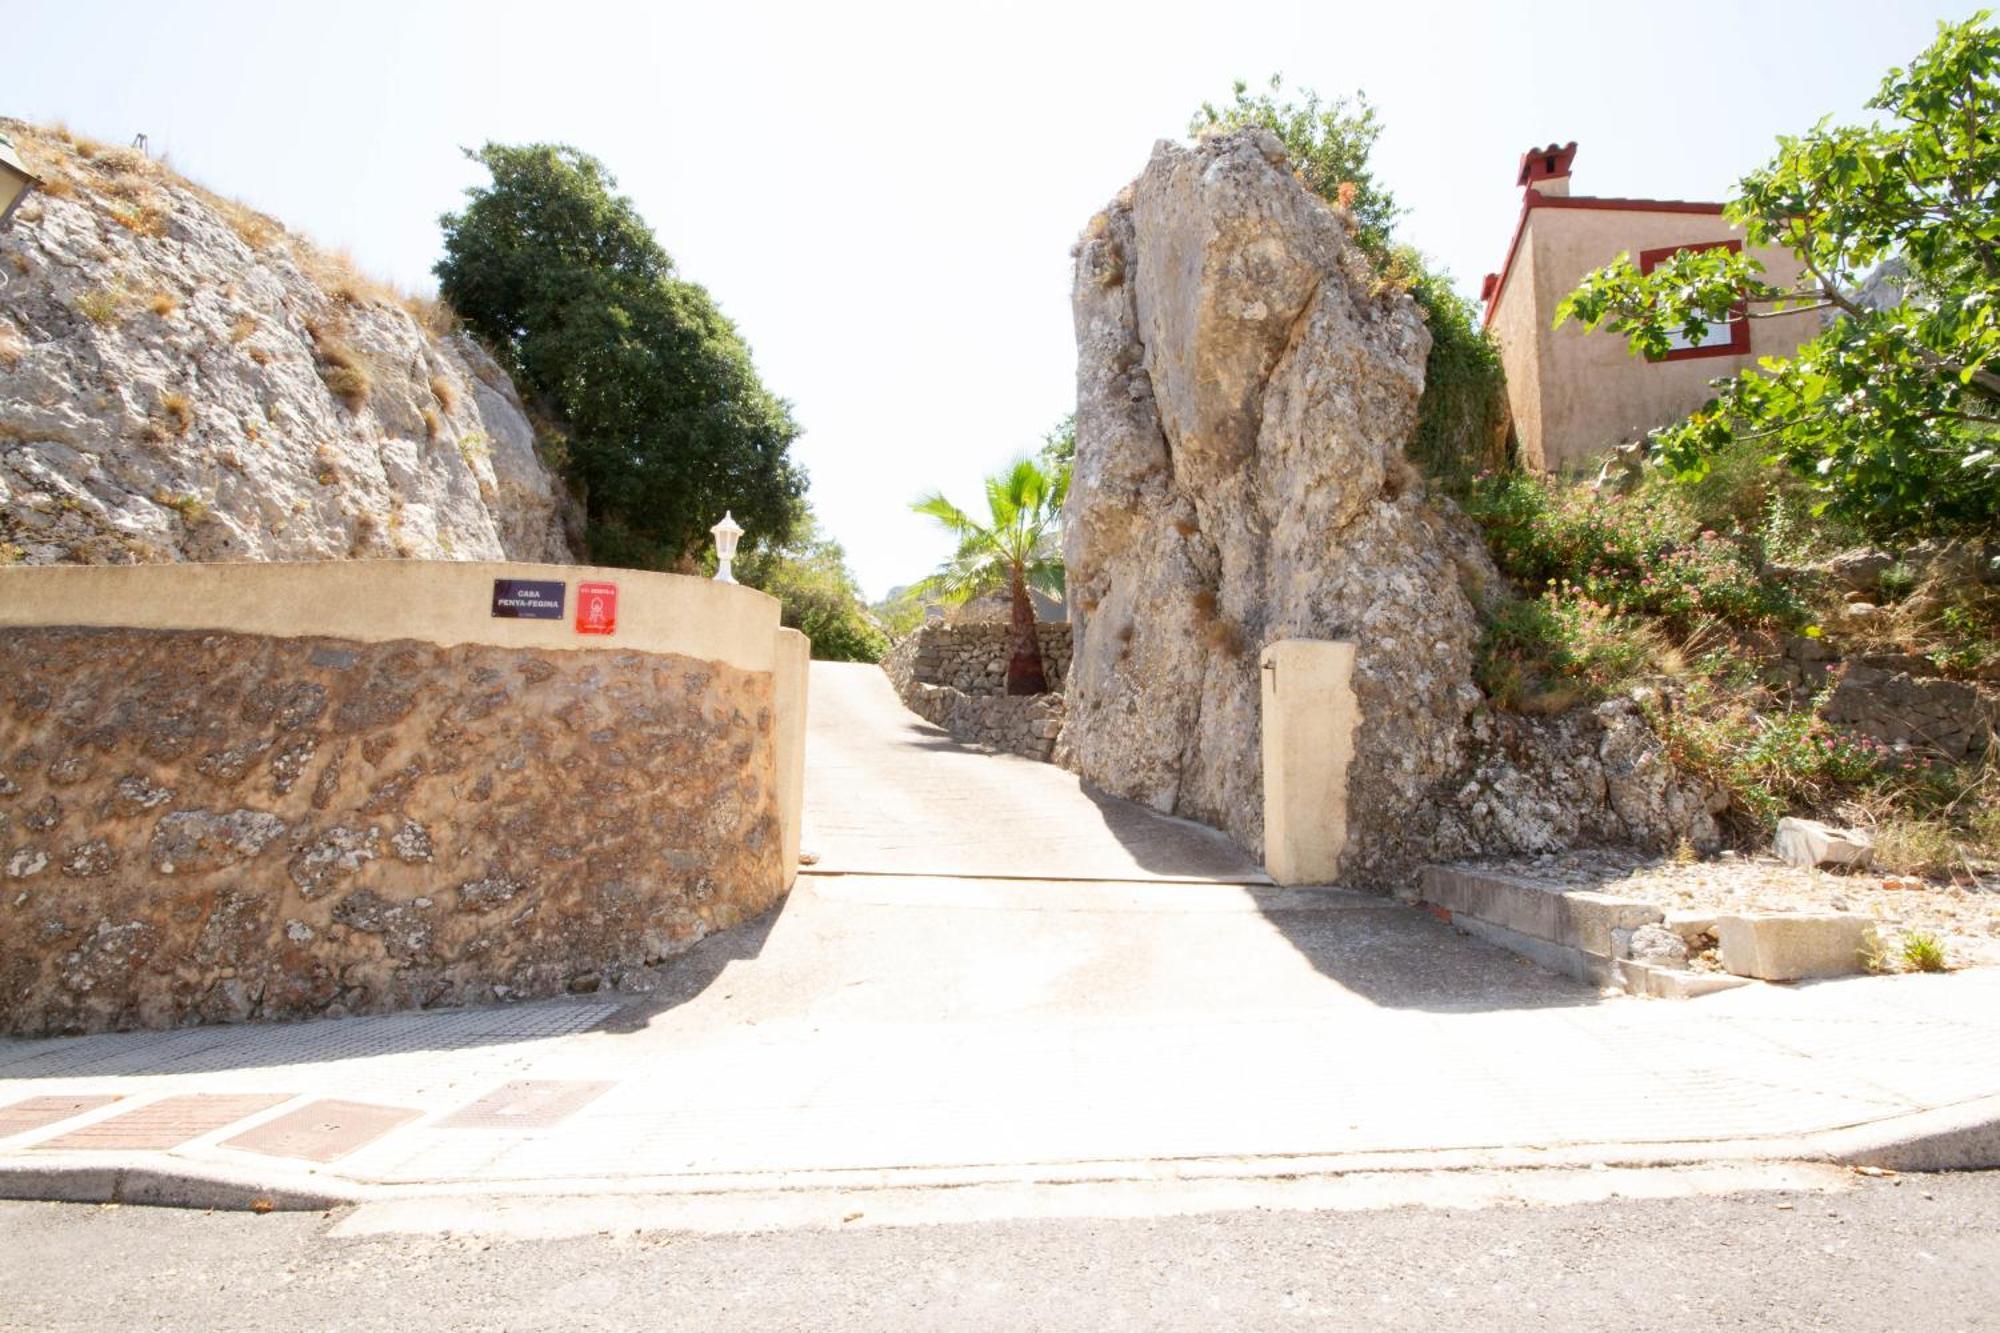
{"points": [[596, 608]]}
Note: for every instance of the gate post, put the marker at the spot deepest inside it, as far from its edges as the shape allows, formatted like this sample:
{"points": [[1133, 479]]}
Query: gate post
{"points": [[1309, 712]]}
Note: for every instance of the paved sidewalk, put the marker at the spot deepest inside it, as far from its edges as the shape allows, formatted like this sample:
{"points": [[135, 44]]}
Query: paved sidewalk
{"points": [[963, 1029]]}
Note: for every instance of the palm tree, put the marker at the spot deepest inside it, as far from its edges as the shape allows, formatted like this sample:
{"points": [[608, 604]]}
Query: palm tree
{"points": [[1017, 550]]}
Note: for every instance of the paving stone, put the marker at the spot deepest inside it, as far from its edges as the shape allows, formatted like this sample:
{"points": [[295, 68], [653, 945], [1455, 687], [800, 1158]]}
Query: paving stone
{"points": [[166, 1123], [38, 1112], [323, 1131], [526, 1104]]}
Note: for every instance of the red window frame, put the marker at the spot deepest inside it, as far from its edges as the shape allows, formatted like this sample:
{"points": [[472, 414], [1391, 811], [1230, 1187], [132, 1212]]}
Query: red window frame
{"points": [[1738, 342]]}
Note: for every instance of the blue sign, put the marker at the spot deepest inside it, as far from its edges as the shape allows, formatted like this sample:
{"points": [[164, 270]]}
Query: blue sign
{"points": [[528, 599]]}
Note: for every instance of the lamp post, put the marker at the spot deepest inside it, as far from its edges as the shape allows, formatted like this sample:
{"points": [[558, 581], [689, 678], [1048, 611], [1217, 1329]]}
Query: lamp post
{"points": [[727, 534], [15, 180]]}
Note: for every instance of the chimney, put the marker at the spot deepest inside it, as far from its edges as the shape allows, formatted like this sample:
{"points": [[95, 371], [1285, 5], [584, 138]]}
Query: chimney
{"points": [[1546, 170]]}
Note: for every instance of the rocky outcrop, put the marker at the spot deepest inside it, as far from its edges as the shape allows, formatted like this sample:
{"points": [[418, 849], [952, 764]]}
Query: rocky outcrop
{"points": [[1245, 387], [180, 379], [1246, 384]]}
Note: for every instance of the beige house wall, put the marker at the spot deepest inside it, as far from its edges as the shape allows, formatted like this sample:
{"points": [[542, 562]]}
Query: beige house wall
{"points": [[1585, 391], [1522, 336]]}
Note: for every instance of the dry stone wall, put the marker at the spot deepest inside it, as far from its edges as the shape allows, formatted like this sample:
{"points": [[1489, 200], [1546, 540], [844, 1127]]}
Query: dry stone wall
{"points": [[200, 826], [955, 676], [972, 658]]}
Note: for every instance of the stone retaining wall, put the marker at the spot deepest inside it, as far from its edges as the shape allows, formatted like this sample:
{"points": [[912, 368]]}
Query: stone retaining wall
{"points": [[955, 676], [207, 824], [1896, 698], [201, 827], [973, 658]]}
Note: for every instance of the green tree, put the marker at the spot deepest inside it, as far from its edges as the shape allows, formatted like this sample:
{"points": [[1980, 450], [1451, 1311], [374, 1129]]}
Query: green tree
{"points": [[1328, 142], [1892, 414], [667, 422], [808, 575], [1059, 445], [1462, 418], [1016, 548]]}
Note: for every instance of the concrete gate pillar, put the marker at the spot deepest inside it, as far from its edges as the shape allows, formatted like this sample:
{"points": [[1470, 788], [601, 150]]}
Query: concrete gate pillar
{"points": [[1308, 721]]}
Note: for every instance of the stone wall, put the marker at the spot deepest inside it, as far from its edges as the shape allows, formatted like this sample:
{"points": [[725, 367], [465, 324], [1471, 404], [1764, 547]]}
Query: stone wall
{"points": [[973, 657], [201, 826], [1896, 698], [278, 790], [955, 676]]}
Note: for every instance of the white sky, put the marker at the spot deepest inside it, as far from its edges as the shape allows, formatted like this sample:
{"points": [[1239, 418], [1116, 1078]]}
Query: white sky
{"points": [[883, 197]]}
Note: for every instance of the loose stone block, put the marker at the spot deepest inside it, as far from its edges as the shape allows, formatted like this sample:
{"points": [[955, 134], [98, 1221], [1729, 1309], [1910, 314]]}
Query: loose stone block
{"points": [[1795, 946], [1807, 842]]}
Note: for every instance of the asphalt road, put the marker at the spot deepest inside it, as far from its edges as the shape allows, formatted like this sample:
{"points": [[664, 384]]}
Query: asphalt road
{"points": [[1915, 1253]]}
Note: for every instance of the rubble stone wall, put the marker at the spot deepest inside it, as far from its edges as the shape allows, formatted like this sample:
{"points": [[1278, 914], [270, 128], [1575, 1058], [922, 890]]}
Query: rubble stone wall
{"points": [[972, 658], [203, 825], [955, 676]]}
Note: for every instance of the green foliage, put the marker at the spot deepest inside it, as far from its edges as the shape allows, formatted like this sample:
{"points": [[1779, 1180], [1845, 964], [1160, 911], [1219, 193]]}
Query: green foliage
{"points": [[1328, 142], [1544, 654], [1892, 414], [668, 423], [900, 612], [1017, 548], [808, 575], [1921, 951], [1462, 418], [1770, 759], [1641, 554], [1018, 544], [1059, 445]]}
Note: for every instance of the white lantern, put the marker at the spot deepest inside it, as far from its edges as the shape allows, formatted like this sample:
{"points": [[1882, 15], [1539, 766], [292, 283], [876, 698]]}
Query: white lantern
{"points": [[727, 534], [15, 180]]}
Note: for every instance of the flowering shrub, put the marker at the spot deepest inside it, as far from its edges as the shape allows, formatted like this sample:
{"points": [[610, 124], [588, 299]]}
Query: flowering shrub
{"points": [[1770, 760], [1637, 555], [1544, 653]]}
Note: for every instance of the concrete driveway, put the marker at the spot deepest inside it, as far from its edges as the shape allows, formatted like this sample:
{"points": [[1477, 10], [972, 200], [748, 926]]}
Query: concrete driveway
{"points": [[887, 793]]}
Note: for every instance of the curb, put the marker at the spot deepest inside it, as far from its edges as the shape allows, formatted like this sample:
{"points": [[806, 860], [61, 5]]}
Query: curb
{"points": [[165, 1184], [1960, 1137]]}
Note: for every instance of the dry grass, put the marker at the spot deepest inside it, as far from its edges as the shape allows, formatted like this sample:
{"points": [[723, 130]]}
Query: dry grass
{"points": [[191, 508], [244, 326], [260, 355], [11, 348], [326, 467], [345, 372], [142, 219], [180, 412], [433, 425], [101, 305], [447, 397], [163, 304]]}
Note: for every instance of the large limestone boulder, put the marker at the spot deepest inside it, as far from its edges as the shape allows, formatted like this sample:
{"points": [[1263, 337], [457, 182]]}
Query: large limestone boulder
{"points": [[1245, 386], [181, 379]]}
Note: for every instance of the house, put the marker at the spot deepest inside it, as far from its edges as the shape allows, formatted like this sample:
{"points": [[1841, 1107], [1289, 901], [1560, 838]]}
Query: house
{"points": [[1573, 394]]}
